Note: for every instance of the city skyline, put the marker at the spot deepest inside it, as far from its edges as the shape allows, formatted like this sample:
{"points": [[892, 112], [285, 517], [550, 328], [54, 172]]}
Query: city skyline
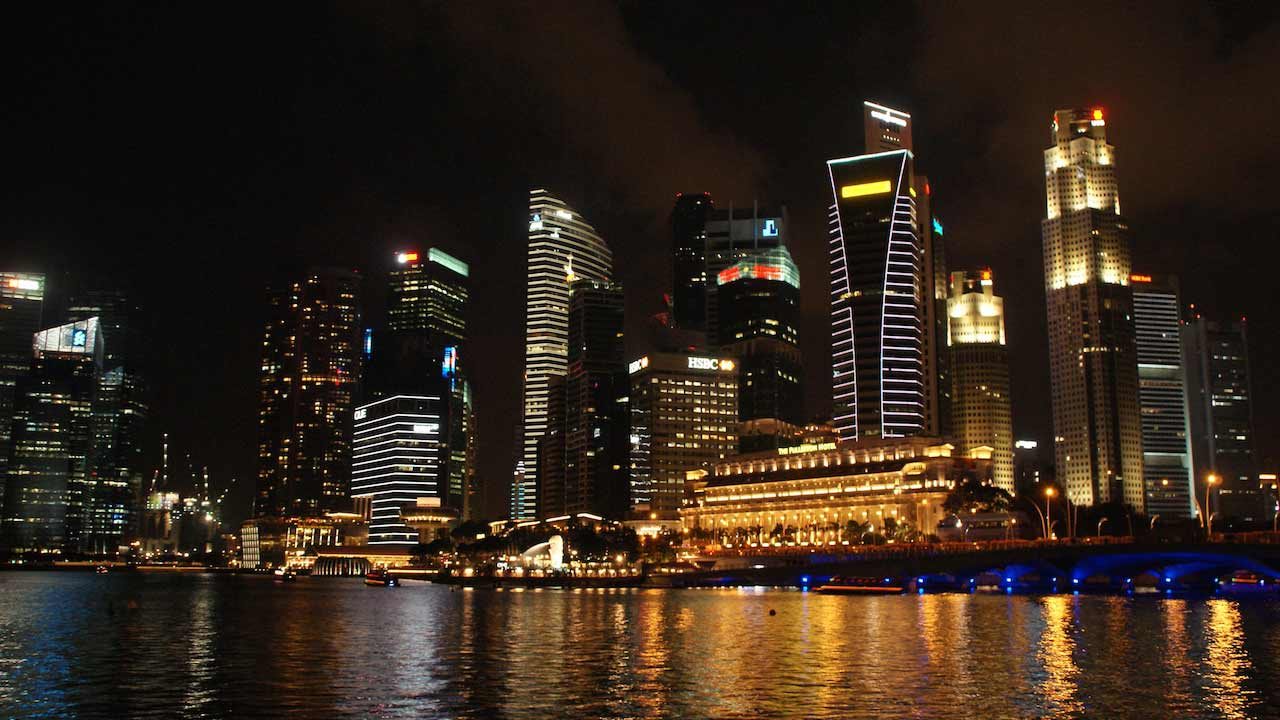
{"points": [[223, 347]]}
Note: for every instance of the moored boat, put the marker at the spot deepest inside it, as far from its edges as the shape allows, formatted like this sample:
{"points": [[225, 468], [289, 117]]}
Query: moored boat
{"points": [[842, 585], [380, 578]]}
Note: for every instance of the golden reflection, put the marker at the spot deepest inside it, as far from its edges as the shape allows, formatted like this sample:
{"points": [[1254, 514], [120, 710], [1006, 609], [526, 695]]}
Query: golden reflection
{"points": [[1056, 655], [1227, 660], [829, 645], [1177, 653], [652, 654]]}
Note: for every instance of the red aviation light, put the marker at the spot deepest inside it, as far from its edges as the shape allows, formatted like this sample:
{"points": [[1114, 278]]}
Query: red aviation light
{"points": [[927, 190]]}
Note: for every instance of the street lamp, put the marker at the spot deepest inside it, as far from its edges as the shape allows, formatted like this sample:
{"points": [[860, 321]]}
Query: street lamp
{"points": [[1154, 518], [1048, 498], [1209, 533], [1100, 524], [1209, 482]]}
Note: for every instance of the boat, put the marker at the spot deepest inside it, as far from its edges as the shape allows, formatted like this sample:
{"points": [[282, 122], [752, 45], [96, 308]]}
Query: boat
{"points": [[285, 575], [843, 585], [380, 578], [101, 570]]}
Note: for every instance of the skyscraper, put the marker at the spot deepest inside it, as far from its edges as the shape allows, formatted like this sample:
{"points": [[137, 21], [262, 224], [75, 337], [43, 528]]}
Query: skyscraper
{"points": [[412, 431], [1092, 353], [1219, 391], [876, 298], [120, 414], [563, 247], [758, 325], [21, 305], [684, 413], [308, 378], [734, 233], [51, 456], [1166, 432], [689, 260], [982, 414]]}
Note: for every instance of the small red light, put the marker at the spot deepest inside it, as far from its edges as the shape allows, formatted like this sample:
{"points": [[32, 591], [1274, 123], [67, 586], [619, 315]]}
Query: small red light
{"points": [[928, 190]]}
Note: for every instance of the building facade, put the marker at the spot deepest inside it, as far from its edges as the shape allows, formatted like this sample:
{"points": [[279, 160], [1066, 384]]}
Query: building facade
{"points": [[982, 412], [306, 388], [689, 260], [828, 496], [50, 495], [876, 298], [684, 412], [21, 312], [400, 450], [563, 247], [1167, 465], [758, 324], [1219, 390], [1093, 365]]}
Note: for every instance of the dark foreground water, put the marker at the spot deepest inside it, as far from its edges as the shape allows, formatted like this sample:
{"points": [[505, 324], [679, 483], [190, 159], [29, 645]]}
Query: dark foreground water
{"points": [[126, 645]]}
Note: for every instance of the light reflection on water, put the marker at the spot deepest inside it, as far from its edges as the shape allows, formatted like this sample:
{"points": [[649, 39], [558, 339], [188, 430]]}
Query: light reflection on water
{"points": [[215, 646]]}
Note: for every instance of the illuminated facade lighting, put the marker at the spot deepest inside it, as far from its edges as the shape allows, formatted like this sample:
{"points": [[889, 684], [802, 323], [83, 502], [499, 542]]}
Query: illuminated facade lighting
{"points": [[981, 410], [398, 460]]}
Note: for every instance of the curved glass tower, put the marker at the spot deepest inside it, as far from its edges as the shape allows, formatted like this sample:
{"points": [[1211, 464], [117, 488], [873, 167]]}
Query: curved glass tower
{"points": [[876, 298], [563, 247]]}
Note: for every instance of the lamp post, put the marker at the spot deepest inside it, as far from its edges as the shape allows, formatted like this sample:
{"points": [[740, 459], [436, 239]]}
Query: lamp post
{"points": [[1209, 482], [1209, 532], [1048, 498], [1101, 522], [1154, 518]]}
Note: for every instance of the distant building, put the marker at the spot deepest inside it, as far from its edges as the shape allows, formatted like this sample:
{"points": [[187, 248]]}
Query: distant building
{"points": [[306, 388], [733, 234], [563, 248], [758, 301], [1219, 391], [981, 409], [684, 413], [1166, 432], [828, 496], [21, 308], [50, 500], [1093, 368], [689, 260], [400, 450]]}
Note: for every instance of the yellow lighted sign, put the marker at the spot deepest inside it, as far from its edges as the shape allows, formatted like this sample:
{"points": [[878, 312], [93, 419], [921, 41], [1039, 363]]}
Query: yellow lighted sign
{"points": [[878, 187]]}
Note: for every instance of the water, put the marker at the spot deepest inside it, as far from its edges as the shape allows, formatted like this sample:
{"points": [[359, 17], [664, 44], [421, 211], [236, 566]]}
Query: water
{"points": [[131, 645]]}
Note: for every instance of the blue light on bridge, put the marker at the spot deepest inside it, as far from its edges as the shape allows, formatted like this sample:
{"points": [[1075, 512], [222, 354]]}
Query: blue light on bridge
{"points": [[804, 579]]}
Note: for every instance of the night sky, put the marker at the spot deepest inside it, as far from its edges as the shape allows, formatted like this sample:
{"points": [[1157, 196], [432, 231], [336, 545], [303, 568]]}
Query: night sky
{"points": [[192, 153]]}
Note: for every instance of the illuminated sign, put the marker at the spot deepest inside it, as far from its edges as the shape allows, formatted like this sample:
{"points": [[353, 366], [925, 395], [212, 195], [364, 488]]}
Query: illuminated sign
{"points": [[24, 284], [407, 257], [879, 187], [79, 336], [937, 226], [770, 228], [564, 214], [704, 363], [806, 448], [536, 222], [886, 117], [426, 428], [1026, 444], [1140, 278], [450, 365], [638, 365], [361, 413], [368, 342]]}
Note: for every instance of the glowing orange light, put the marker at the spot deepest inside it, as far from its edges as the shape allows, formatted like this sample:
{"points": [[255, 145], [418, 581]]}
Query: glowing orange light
{"points": [[1140, 278], [407, 257], [1097, 114], [986, 274]]}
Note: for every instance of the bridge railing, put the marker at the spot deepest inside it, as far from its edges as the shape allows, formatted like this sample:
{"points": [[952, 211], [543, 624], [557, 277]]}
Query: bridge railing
{"points": [[905, 550]]}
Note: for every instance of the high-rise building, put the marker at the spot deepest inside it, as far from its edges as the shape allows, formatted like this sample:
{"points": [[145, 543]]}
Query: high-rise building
{"points": [[684, 412], [120, 414], [563, 247], [1093, 365], [398, 460], [51, 455], [758, 324], [1220, 398], [1167, 467], [733, 234], [306, 387], [876, 298], [885, 130], [982, 414], [21, 306], [689, 260]]}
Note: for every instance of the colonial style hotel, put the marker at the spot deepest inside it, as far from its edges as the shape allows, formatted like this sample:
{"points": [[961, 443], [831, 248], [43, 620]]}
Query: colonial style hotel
{"points": [[818, 489]]}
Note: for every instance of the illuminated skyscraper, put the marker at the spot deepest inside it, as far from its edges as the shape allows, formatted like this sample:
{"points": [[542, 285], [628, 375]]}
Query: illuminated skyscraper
{"points": [[733, 234], [563, 247], [982, 414], [1092, 353], [306, 386], [684, 415], [398, 462], [1220, 392], [758, 324], [21, 305], [51, 456], [877, 298], [1166, 431]]}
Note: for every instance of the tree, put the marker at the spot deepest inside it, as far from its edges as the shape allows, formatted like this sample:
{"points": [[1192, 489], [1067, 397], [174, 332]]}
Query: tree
{"points": [[973, 496]]}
